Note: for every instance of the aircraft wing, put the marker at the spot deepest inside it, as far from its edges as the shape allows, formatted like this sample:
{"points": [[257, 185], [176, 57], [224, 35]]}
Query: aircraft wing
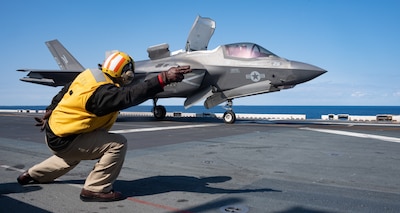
{"points": [[49, 77]]}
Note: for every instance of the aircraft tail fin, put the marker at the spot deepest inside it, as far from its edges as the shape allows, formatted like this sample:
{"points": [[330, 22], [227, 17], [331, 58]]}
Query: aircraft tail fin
{"points": [[63, 58]]}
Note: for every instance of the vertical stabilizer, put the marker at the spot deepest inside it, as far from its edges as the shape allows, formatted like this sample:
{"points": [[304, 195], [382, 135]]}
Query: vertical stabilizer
{"points": [[63, 58]]}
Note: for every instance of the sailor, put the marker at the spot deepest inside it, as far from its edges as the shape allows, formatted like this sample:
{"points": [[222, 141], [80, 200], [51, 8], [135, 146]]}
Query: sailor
{"points": [[78, 120]]}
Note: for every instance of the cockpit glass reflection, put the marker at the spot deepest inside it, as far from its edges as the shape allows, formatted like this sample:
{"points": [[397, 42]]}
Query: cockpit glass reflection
{"points": [[246, 50]]}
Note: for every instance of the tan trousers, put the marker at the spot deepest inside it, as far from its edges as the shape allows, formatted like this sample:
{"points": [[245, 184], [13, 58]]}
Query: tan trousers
{"points": [[109, 148]]}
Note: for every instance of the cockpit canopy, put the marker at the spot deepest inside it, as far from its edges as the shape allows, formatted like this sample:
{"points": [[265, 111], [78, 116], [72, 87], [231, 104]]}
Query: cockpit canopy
{"points": [[246, 50]]}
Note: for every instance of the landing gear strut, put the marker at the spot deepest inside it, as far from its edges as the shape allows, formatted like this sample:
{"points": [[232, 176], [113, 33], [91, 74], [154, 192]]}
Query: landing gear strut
{"points": [[229, 116], [159, 111]]}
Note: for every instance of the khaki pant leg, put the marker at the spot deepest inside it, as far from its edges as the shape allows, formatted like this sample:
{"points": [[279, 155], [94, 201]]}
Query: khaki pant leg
{"points": [[51, 168], [109, 148]]}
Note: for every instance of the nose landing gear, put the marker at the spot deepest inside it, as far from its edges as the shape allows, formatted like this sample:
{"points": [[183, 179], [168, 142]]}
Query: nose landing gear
{"points": [[229, 116]]}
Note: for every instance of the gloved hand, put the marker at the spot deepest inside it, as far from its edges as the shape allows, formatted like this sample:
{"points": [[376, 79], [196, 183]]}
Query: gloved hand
{"points": [[42, 121], [174, 74]]}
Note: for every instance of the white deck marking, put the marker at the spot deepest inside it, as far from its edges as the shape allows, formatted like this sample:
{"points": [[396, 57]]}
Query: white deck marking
{"points": [[355, 134], [12, 168], [162, 128]]}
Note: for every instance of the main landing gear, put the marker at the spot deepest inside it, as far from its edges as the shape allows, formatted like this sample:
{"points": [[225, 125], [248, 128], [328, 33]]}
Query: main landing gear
{"points": [[229, 116], [159, 111]]}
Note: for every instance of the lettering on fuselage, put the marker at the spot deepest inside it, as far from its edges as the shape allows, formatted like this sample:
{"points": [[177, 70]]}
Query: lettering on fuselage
{"points": [[255, 76], [276, 63], [174, 84]]}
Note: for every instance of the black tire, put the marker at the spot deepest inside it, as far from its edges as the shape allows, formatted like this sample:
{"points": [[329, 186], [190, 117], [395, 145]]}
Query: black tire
{"points": [[159, 112]]}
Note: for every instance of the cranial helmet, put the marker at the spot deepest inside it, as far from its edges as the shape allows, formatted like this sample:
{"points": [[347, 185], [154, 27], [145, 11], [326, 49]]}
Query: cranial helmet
{"points": [[117, 64]]}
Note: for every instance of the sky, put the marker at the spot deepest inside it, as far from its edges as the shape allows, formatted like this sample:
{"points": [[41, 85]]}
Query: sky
{"points": [[357, 42]]}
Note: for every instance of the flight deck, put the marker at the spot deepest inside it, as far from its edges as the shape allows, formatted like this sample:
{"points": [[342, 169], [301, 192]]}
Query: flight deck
{"points": [[201, 164]]}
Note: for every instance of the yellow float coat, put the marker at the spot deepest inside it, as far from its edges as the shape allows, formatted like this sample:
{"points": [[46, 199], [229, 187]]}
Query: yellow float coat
{"points": [[71, 117]]}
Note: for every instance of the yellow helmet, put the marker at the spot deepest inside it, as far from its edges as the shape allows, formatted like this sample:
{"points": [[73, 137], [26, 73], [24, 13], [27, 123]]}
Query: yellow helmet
{"points": [[117, 63]]}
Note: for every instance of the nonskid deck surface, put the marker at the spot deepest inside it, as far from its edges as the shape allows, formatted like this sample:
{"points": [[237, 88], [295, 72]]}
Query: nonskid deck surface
{"points": [[204, 165]]}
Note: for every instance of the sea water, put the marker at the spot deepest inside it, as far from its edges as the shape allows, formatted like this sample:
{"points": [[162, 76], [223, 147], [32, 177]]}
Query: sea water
{"points": [[311, 112]]}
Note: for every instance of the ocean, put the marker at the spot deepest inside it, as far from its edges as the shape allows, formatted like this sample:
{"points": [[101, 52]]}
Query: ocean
{"points": [[311, 112]]}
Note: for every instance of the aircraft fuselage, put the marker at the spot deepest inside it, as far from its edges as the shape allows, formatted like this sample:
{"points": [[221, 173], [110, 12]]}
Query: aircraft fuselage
{"points": [[225, 71]]}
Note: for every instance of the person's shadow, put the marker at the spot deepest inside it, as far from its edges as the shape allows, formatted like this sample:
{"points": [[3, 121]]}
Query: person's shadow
{"points": [[164, 184], [9, 204]]}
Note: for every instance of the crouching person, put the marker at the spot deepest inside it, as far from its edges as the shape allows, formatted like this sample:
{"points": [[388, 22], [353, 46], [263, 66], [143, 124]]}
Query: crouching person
{"points": [[78, 121]]}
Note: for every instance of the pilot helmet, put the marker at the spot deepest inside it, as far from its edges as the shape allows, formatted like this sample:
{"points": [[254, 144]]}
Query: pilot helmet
{"points": [[119, 65]]}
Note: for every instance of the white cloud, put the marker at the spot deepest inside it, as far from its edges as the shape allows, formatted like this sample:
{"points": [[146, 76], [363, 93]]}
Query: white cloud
{"points": [[358, 94]]}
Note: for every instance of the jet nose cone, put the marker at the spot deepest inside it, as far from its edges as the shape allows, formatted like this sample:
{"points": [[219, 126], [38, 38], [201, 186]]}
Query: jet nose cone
{"points": [[305, 72], [306, 67]]}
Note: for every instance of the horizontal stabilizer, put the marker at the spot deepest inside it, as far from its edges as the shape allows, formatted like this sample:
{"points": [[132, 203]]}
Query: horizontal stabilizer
{"points": [[43, 81], [49, 77]]}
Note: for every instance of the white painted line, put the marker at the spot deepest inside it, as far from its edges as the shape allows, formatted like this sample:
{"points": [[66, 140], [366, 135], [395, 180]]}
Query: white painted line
{"points": [[355, 134], [162, 128], [12, 168]]}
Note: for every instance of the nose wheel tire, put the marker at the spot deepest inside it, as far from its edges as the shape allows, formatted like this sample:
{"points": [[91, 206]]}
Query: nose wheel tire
{"points": [[229, 117]]}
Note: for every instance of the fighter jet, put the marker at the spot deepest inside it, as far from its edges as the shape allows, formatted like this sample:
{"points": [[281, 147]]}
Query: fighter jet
{"points": [[219, 75]]}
